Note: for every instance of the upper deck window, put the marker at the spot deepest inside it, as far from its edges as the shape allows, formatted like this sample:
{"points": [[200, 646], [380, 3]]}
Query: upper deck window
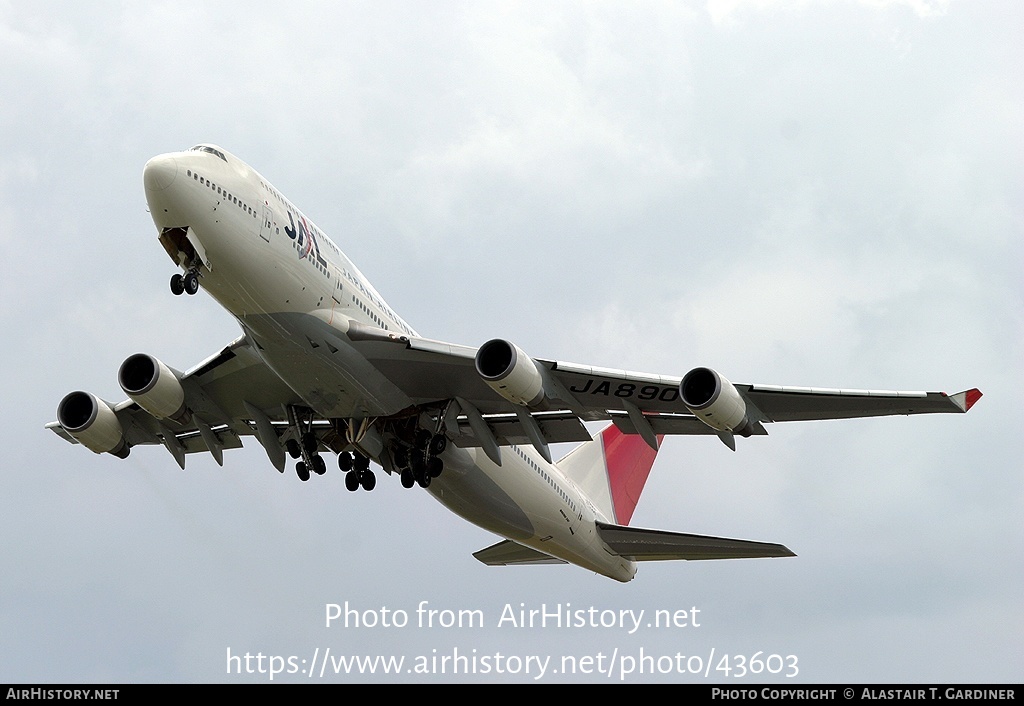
{"points": [[211, 150]]}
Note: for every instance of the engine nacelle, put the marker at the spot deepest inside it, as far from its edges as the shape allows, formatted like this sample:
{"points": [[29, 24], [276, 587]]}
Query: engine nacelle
{"points": [[153, 386], [92, 423], [510, 372], [715, 401]]}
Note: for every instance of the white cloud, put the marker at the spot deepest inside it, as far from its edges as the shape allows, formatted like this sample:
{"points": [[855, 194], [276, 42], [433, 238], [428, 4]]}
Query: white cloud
{"points": [[726, 12]]}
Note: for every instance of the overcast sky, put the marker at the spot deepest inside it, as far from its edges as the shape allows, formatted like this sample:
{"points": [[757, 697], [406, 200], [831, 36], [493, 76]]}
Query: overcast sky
{"points": [[816, 192]]}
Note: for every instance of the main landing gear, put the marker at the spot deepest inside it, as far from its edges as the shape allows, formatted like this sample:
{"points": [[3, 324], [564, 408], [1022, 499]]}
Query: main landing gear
{"points": [[421, 463], [311, 460], [357, 471], [187, 283], [308, 451], [415, 453], [305, 446]]}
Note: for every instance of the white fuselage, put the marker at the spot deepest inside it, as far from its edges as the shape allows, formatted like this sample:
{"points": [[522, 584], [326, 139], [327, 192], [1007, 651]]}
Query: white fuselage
{"points": [[276, 272]]}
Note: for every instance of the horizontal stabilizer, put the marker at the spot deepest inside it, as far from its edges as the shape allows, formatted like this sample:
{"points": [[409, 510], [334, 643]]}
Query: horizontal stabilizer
{"points": [[657, 545], [509, 553]]}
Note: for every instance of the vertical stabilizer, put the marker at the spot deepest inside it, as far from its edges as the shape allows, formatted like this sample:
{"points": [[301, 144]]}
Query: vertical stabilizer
{"points": [[612, 469]]}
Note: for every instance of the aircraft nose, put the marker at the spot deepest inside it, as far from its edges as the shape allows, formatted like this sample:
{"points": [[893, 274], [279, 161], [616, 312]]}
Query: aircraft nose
{"points": [[159, 172]]}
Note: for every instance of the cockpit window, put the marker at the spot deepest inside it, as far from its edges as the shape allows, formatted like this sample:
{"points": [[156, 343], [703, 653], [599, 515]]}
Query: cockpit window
{"points": [[211, 150]]}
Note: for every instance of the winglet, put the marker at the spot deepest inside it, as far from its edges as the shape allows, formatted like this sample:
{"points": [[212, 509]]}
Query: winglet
{"points": [[966, 399]]}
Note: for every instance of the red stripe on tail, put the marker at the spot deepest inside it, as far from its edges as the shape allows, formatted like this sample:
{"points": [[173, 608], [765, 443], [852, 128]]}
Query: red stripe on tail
{"points": [[629, 460]]}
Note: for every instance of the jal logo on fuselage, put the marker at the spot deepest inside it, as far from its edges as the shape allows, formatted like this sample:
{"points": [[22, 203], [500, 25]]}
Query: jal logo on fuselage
{"points": [[304, 236]]}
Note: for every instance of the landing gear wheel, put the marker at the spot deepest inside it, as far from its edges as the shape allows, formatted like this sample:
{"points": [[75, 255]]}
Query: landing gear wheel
{"points": [[191, 283], [434, 467], [424, 482], [368, 480], [292, 446], [438, 444], [177, 284], [345, 461], [302, 471], [319, 466], [400, 457], [362, 464], [352, 481], [408, 480]]}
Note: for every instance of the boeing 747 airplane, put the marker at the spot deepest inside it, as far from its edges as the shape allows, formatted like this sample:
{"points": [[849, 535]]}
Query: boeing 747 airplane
{"points": [[324, 366]]}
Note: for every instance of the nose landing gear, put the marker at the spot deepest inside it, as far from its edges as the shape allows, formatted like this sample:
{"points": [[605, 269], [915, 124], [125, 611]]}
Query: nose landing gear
{"points": [[187, 283]]}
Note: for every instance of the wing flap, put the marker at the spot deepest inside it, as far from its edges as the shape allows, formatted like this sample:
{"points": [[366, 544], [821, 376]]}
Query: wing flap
{"points": [[672, 425], [658, 545], [555, 427], [194, 443]]}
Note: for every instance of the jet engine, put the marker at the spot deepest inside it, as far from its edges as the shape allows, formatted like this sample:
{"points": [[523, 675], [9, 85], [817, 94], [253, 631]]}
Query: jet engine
{"points": [[715, 401], [153, 386], [92, 423], [510, 372]]}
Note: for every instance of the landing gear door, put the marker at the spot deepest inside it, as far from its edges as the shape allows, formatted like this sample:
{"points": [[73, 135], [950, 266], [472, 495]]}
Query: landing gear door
{"points": [[200, 251]]}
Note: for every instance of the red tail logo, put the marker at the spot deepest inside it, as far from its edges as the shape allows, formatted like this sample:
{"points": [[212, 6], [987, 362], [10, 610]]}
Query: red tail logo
{"points": [[629, 460]]}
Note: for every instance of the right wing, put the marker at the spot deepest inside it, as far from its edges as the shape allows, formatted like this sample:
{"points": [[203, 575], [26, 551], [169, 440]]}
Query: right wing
{"points": [[223, 392]]}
